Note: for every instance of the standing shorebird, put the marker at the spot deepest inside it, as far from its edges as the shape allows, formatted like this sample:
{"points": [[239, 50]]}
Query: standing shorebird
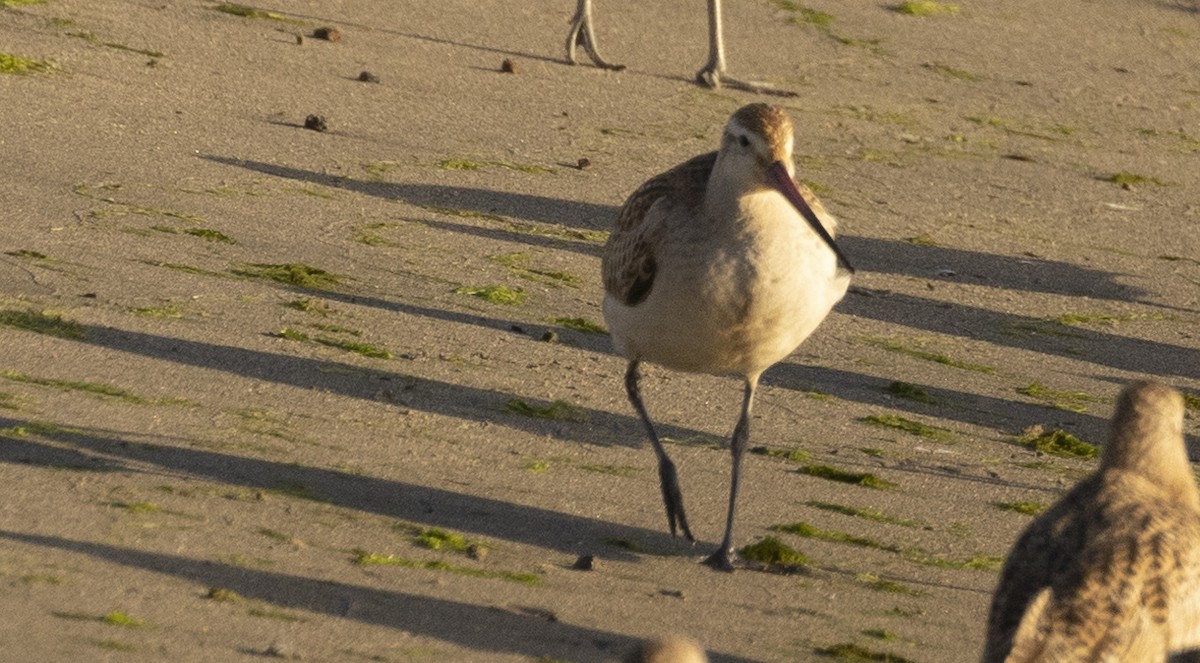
{"points": [[723, 264], [1112, 571], [711, 75]]}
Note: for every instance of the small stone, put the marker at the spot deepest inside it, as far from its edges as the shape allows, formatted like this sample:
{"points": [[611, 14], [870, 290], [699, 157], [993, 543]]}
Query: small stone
{"points": [[316, 123], [299, 40], [477, 552], [368, 77], [584, 163], [585, 563], [509, 66], [328, 34], [550, 336]]}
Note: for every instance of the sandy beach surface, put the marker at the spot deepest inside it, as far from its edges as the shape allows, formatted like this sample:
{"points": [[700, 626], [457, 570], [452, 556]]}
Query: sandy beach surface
{"points": [[345, 395]]}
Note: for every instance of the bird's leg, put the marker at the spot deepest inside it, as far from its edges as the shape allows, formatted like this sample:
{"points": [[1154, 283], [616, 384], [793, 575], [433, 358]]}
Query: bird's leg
{"points": [[722, 559], [712, 75], [582, 33], [667, 477]]}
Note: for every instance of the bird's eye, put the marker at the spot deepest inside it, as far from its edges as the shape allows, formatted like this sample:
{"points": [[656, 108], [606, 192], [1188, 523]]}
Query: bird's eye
{"points": [[743, 141]]}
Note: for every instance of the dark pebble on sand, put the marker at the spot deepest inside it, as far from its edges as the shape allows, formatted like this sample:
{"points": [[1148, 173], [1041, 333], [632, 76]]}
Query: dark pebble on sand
{"points": [[316, 123], [328, 34], [368, 77], [585, 563], [509, 66]]}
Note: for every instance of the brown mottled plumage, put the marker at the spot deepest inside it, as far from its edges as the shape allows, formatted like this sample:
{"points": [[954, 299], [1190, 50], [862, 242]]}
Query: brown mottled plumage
{"points": [[1112, 571], [723, 264]]}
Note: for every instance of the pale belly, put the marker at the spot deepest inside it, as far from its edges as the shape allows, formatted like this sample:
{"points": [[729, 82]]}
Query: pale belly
{"points": [[730, 315]]}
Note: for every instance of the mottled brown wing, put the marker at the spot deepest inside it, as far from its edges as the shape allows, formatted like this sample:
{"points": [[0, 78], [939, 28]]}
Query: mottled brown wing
{"points": [[629, 263]]}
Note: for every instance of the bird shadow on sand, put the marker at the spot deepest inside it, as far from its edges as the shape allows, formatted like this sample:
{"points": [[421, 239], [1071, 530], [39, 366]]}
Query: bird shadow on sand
{"points": [[1023, 332], [434, 197], [485, 629], [113, 451], [505, 210], [410, 391]]}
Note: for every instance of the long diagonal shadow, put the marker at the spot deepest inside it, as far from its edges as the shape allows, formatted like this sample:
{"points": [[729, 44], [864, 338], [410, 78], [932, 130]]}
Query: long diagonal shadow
{"points": [[481, 628], [1019, 273], [465, 402], [100, 450], [556, 211], [1028, 333]]}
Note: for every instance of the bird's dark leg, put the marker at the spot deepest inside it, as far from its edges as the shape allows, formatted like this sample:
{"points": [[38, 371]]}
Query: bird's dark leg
{"points": [[712, 75], [722, 559], [667, 477], [582, 34]]}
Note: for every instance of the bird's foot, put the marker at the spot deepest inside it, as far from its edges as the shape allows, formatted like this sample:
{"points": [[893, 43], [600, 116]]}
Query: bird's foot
{"points": [[580, 35], [721, 560], [711, 77], [673, 498]]}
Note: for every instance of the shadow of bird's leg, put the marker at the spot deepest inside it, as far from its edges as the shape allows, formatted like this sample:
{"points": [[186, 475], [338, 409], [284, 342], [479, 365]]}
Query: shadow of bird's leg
{"points": [[582, 34], [667, 476]]}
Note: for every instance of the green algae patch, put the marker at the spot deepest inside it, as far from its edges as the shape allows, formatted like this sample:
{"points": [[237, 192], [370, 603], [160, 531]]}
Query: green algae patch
{"points": [[1057, 442], [223, 595], [924, 8], [1026, 508], [774, 554], [1130, 180], [910, 392], [495, 294], [794, 455], [852, 653], [581, 325], [801, 15], [43, 323], [293, 274], [809, 531], [437, 539], [842, 476], [936, 357], [365, 558], [1072, 401], [558, 410], [92, 388], [244, 11], [867, 514], [911, 427], [20, 65], [878, 584]]}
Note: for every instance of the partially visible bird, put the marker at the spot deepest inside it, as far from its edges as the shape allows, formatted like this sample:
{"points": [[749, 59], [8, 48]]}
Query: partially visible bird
{"points": [[670, 649], [724, 265], [1111, 572], [712, 74]]}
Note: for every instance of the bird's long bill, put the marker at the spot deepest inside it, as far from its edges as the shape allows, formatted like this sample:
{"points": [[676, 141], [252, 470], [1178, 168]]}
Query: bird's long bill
{"points": [[784, 184]]}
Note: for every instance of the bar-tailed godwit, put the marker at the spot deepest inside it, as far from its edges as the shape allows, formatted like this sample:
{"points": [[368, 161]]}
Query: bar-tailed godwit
{"points": [[1111, 572], [723, 264]]}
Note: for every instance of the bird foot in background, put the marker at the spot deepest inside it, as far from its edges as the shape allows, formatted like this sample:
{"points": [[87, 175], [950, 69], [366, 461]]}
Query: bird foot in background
{"points": [[710, 77], [721, 560], [581, 35]]}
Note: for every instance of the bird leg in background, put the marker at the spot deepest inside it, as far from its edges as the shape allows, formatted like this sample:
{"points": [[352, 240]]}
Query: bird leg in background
{"points": [[582, 34]]}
